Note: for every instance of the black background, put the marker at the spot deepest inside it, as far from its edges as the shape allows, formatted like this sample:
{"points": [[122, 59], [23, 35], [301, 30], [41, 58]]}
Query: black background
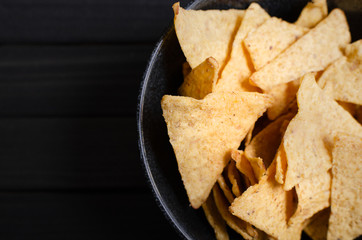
{"points": [[70, 72]]}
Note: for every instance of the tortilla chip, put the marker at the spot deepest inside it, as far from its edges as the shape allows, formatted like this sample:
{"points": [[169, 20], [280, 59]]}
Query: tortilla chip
{"points": [[312, 13], [203, 34], [186, 69], [233, 222], [267, 206], [243, 165], [309, 137], [318, 226], [203, 133], [225, 188], [349, 107], [280, 35], [281, 164], [312, 52], [313, 196], [343, 78], [234, 76], [283, 94], [265, 144], [234, 179], [345, 221], [214, 218], [249, 135], [201, 80]]}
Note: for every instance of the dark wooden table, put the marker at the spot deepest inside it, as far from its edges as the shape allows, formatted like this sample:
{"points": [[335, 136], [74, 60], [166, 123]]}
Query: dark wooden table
{"points": [[70, 72]]}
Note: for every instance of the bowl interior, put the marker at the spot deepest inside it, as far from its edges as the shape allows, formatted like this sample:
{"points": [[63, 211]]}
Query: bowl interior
{"points": [[163, 76]]}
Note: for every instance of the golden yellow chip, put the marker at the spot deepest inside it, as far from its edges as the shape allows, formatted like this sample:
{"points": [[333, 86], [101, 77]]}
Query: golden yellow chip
{"points": [[312, 13], [318, 226], [345, 221], [343, 78], [225, 188], [204, 34], [312, 52], [234, 179], [281, 164], [268, 207], [214, 218], [313, 196], [243, 165], [283, 94], [309, 136], [201, 80], [280, 35], [233, 222], [234, 76], [203, 133]]}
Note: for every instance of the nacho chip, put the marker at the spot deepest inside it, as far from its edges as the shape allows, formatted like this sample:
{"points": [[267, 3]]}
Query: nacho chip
{"points": [[268, 207], [318, 226], [225, 188], [249, 135], [312, 52], [309, 137], [203, 133], [313, 196], [345, 221], [243, 165], [234, 76], [343, 78], [265, 144], [186, 69], [234, 179], [281, 164], [214, 218], [312, 13], [201, 80], [283, 94], [233, 222], [204, 34], [280, 35]]}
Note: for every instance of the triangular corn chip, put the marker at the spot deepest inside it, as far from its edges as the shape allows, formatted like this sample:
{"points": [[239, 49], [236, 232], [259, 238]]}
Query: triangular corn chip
{"points": [[234, 179], [283, 94], [201, 80], [243, 165], [280, 35], [343, 79], [345, 221], [214, 218], [233, 222], [206, 33], [203, 133], [313, 196], [225, 188], [318, 226], [312, 52], [234, 76], [312, 13], [309, 137], [268, 207]]}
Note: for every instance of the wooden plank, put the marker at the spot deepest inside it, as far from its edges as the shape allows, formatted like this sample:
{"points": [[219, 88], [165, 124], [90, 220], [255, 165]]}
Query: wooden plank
{"points": [[76, 80], [119, 215], [69, 153], [62, 21]]}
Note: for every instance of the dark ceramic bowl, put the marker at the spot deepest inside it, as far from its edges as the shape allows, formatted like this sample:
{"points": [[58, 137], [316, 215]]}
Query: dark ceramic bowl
{"points": [[164, 76]]}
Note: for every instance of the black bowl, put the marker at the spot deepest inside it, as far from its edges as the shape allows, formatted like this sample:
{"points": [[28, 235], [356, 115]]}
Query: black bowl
{"points": [[164, 76]]}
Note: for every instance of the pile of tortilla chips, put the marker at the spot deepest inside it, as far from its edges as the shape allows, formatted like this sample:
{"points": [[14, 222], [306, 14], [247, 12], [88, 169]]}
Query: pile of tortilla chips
{"points": [[267, 128]]}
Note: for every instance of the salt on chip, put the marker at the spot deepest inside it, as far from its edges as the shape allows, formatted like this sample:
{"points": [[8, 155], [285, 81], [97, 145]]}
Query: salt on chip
{"points": [[234, 76], [318, 226], [313, 196], [283, 94], [309, 137], [214, 218], [233, 222], [267, 206], [203, 133], [345, 221], [206, 33], [280, 35], [312, 13], [243, 165], [312, 52], [201, 80], [343, 78]]}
